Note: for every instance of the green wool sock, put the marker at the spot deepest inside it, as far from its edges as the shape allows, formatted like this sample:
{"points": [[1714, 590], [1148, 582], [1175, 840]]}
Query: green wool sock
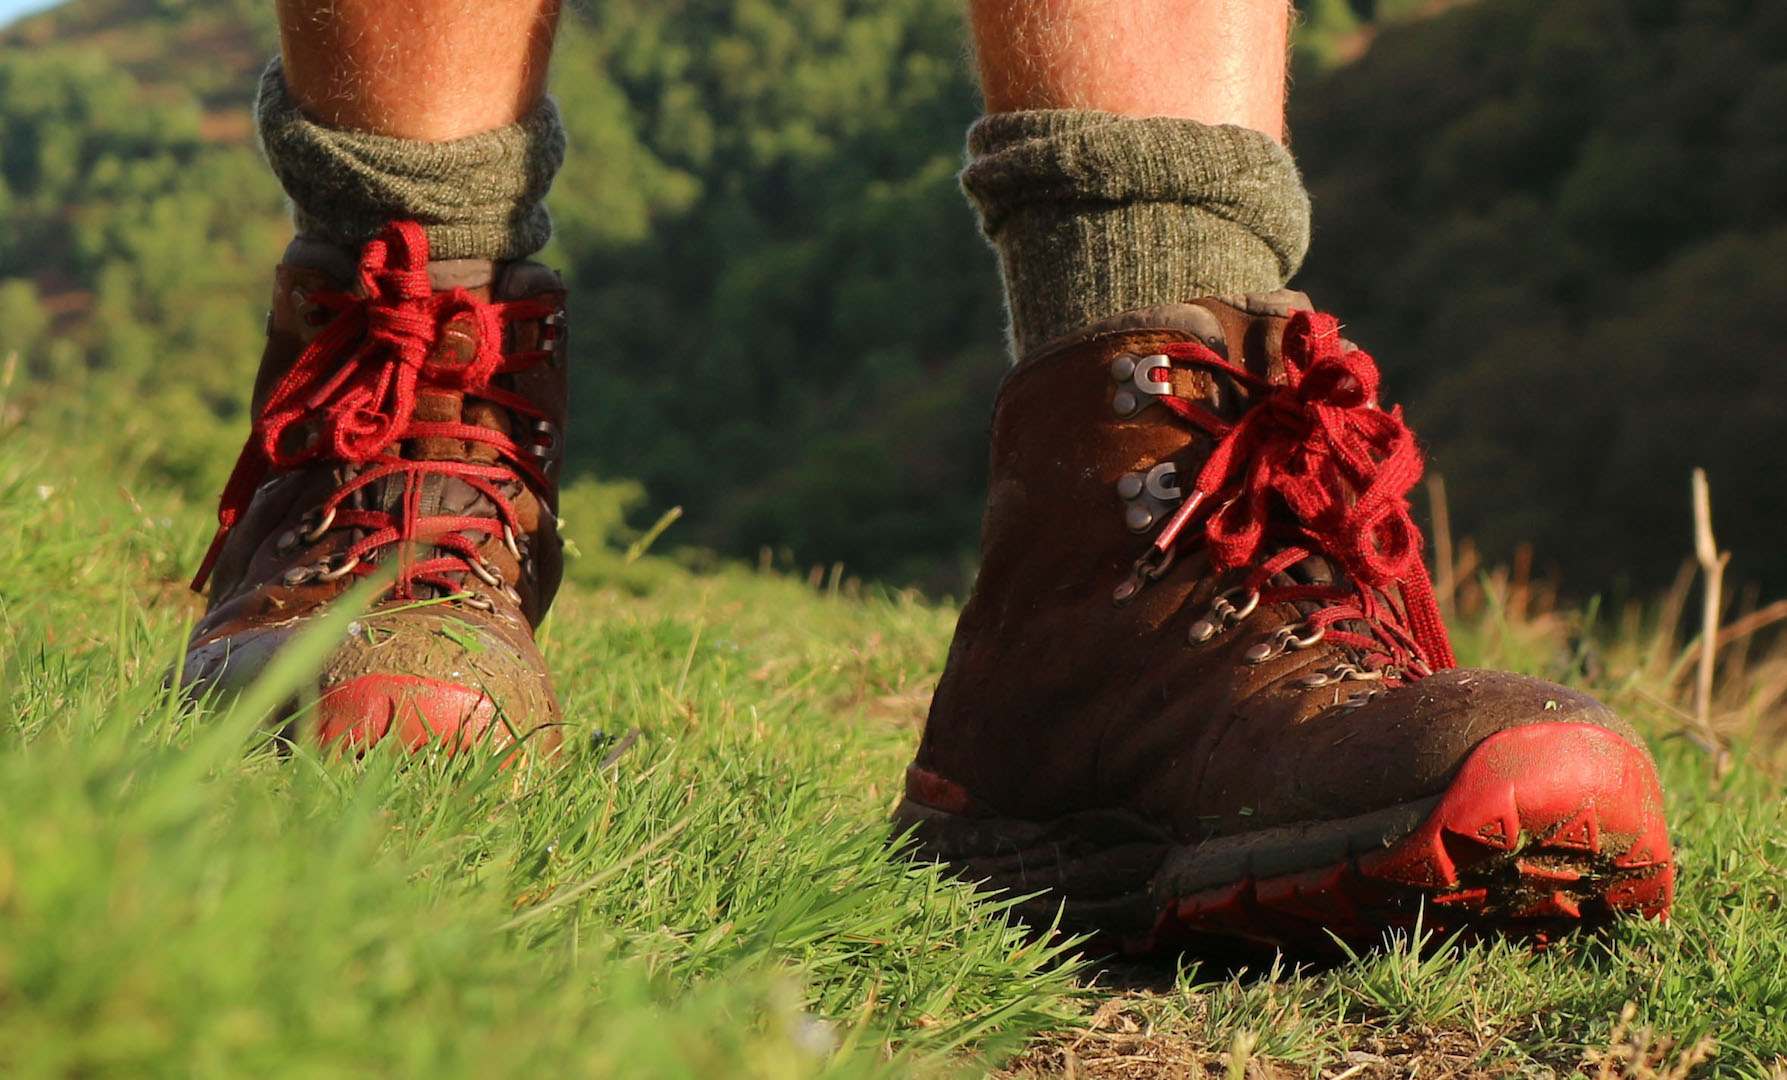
{"points": [[1095, 214], [476, 197]]}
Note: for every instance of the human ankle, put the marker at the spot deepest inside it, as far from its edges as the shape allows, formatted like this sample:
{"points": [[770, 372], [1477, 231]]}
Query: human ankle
{"points": [[476, 197], [1095, 214]]}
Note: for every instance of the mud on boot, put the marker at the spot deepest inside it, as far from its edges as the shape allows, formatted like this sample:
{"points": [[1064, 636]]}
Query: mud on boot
{"points": [[407, 414], [1202, 686]]}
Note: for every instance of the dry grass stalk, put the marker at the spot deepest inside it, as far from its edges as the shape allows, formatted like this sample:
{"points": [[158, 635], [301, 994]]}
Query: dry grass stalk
{"points": [[1640, 1055], [1759, 619], [1712, 566], [1464, 575], [1669, 618], [1520, 589], [1445, 585], [1737, 660]]}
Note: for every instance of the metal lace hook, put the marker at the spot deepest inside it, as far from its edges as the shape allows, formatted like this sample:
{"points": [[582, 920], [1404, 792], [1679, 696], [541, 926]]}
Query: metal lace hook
{"points": [[322, 526], [339, 572], [1224, 613], [1155, 562]]}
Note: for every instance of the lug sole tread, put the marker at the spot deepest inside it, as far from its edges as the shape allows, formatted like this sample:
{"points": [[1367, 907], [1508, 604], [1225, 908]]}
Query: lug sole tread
{"points": [[1544, 828]]}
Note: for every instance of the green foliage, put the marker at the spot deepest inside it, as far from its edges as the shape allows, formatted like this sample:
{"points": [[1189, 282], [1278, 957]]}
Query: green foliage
{"points": [[1539, 214], [801, 349], [711, 896], [1561, 224], [145, 248], [1323, 32], [24, 325], [822, 386], [716, 896], [1558, 224]]}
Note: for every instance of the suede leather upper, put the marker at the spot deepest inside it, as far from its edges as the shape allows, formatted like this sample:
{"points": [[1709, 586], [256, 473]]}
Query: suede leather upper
{"points": [[486, 644], [1056, 699]]}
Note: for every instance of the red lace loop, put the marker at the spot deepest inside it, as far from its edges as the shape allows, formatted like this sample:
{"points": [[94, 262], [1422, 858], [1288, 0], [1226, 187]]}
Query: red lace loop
{"points": [[1315, 466], [355, 386]]}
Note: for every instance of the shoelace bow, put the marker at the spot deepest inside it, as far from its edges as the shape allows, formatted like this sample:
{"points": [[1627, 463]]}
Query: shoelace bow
{"points": [[1315, 467], [358, 381]]}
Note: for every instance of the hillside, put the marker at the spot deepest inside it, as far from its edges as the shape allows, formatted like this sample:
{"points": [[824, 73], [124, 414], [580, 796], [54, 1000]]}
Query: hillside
{"points": [[1563, 228], [701, 886], [787, 325], [1543, 217]]}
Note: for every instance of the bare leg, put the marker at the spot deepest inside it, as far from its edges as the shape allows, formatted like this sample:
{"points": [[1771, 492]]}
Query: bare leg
{"points": [[417, 69], [1214, 61]]}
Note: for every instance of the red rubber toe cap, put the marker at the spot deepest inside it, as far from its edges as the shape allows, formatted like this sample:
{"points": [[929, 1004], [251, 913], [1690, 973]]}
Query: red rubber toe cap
{"points": [[419, 713]]}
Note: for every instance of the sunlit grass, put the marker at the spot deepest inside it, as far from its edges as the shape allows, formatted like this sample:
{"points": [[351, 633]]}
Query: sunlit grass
{"points": [[702, 885]]}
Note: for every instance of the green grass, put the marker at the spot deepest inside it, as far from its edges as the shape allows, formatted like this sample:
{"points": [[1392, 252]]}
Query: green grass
{"points": [[712, 896]]}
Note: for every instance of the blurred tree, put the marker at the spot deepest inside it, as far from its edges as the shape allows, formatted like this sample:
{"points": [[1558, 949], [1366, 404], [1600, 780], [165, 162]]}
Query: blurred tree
{"points": [[1558, 223]]}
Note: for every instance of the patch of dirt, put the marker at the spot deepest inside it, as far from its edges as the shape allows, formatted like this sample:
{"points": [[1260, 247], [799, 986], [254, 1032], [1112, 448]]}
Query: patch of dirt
{"points": [[1119, 1042], [1143, 1055]]}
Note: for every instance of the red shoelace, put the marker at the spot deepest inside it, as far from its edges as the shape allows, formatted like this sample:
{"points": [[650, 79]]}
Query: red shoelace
{"points": [[356, 385], [1315, 467]]}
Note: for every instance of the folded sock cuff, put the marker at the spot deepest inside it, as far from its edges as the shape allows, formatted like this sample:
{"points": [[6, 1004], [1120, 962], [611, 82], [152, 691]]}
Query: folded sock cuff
{"points": [[1095, 214], [476, 197]]}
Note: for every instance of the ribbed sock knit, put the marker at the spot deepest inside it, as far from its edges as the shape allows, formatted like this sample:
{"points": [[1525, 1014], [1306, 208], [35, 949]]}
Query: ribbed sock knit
{"points": [[476, 197], [1095, 214]]}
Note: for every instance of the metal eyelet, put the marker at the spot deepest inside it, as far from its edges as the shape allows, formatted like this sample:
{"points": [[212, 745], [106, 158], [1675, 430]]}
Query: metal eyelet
{"points": [[1151, 566], [1284, 639], [319, 571], [1150, 495], [346, 568], [286, 542], [1136, 387], [1224, 612], [1160, 482], [476, 602], [548, 441], [1340, 673], [313, 535], [509, 542], [512, 595], [486, 572], [311, 315], [552, 328]]}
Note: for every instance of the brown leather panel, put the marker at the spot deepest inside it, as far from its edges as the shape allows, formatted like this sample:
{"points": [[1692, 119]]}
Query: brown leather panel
{"points": [[254, 606], [1055, 700]]}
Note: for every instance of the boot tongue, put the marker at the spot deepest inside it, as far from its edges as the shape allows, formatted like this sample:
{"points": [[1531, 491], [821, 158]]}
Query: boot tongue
{"points": [[1318, 570], [456, 348], [450, 496]]}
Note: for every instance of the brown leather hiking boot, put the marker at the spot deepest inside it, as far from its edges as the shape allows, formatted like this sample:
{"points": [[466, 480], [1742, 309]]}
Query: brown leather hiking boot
{"points": [[1202, 688], [406, 413]]}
